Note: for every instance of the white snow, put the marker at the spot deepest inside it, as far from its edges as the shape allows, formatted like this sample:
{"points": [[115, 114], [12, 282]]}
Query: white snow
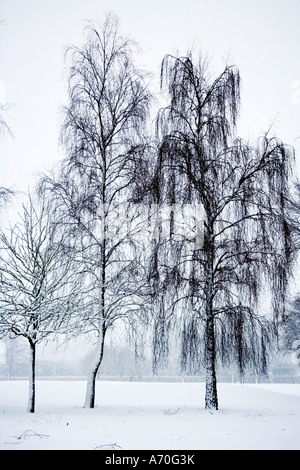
{"points": [[137, 415]]}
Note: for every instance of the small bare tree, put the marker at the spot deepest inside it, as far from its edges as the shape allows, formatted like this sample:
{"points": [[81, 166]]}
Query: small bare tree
{"points": [[37, 288]]}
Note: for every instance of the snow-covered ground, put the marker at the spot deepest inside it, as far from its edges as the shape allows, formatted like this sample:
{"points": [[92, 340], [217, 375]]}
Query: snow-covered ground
{"points": [[137, 415]]}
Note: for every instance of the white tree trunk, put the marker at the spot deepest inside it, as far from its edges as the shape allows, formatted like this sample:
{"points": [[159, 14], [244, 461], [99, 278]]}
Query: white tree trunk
{"points": [[211, 396]]}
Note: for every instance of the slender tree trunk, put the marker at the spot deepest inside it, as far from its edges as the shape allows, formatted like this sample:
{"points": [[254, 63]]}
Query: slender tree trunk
{"points": [[211, 397], [31, 397], [91, 383]]}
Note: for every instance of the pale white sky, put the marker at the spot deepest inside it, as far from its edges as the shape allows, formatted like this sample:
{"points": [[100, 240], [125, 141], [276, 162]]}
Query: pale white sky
{"points": [[261, 37]]}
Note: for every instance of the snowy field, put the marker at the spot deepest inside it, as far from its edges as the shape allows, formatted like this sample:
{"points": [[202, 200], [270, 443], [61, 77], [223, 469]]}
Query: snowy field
{"points": [[135, 415]]}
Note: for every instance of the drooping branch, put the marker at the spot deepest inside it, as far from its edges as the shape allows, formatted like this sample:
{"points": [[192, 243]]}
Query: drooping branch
{"points": [[247, 248]]}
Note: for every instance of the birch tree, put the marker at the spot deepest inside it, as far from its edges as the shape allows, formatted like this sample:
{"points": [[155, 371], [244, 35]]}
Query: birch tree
{"points": [[246, 255], [37, 289], [102, 136]]}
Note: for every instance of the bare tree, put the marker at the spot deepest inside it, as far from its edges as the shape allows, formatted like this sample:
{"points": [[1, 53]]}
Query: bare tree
{"points": [[102, 136], [37, 289], [242, 191]]}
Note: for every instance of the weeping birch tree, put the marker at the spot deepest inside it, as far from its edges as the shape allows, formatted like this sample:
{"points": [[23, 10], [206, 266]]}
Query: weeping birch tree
{"points": [[102, 135], [215, 291]]}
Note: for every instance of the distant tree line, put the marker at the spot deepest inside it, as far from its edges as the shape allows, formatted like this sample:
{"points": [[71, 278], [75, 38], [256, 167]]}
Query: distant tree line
{"points": [[107, 237]]}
